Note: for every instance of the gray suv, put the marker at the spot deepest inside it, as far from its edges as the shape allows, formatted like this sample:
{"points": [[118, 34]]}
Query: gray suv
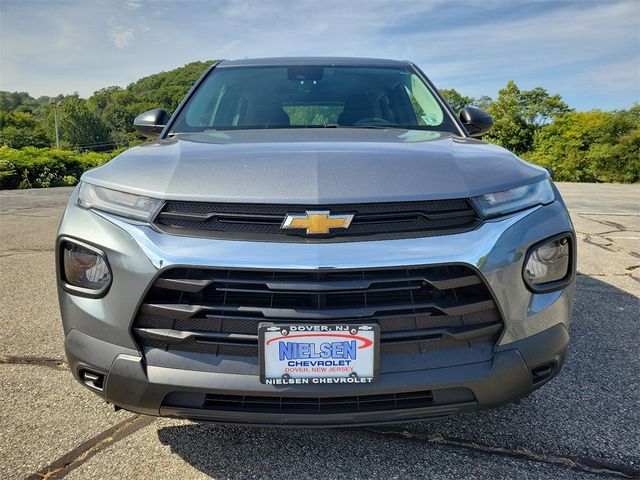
{"points": [[315, 241]]}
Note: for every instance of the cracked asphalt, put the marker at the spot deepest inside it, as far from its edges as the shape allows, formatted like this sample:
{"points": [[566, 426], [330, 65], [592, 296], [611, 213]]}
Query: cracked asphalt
{"points": [[584, 424]]}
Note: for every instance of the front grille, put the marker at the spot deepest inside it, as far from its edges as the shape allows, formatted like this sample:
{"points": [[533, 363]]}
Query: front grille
{"points": [[377, 220], [325, 405], [217, 312]]}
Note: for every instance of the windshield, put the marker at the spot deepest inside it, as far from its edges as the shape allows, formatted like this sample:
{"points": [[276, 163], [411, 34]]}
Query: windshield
{"points": [[312, 97]]}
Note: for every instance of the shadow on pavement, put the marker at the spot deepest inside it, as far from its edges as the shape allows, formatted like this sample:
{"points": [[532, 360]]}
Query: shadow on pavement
{"points": [[589, 413]]}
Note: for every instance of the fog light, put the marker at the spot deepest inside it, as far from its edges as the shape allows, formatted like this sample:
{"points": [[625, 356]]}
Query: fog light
{"points": [[84, 268], [548, 263]]}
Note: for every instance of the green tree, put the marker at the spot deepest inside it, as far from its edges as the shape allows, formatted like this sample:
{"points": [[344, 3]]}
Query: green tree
{"points": [[103, 98], [167, 89], [519, 114], [591, 146], [540, 108], [456, 99], [20, 101], [483, 102], [81, 126], [117, 107], [20, 129]]}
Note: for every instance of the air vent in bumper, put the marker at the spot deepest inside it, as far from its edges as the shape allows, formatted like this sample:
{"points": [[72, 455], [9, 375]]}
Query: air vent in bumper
{"points": [[319, 405]]}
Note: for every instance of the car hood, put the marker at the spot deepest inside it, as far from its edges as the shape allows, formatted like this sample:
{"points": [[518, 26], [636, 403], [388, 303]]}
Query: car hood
{"points": [[315, 166]]}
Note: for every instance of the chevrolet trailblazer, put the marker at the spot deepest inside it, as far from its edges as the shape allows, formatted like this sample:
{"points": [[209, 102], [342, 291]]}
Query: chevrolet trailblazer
{"points": [[315, 241]]}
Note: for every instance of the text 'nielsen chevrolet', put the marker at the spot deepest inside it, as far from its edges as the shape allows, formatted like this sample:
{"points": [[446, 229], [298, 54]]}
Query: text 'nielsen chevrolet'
{"points": [[315, 241]]}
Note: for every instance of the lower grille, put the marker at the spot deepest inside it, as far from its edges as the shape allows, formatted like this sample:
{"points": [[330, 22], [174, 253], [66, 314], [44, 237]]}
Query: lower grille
{"points": [[217, 312], [313, 405]]}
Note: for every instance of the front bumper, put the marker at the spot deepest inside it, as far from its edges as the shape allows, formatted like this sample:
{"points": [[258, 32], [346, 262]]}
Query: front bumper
{"points": [[135, 386], [99, 338]]}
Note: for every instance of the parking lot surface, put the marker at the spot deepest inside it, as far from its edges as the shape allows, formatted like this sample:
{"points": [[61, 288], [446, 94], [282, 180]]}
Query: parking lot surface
{"points": [[584, 424]]}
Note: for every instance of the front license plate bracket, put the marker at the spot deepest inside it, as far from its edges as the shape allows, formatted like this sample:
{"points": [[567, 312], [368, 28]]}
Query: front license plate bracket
{"points": [[318, 354]]}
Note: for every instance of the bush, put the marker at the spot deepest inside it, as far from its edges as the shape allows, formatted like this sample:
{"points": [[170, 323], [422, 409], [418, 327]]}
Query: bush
{"points": [[32, 167], [591, 146], [21, 129]]}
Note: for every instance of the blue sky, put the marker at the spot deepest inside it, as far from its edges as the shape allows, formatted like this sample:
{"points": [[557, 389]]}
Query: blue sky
{"points": [[588, 51]]}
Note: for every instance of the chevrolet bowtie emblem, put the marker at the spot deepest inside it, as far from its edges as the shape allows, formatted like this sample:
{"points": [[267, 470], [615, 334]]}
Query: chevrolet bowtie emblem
{"points": [[317, 222]]}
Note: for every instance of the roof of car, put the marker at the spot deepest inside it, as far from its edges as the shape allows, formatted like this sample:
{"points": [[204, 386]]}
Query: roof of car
{"points": [[289, 61]]}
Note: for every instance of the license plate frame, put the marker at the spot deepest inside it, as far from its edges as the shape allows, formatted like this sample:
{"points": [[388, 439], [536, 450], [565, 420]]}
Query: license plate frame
{"points": [[361, 333]]}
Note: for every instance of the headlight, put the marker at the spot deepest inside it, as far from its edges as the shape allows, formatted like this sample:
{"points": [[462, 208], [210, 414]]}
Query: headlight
{"points": [[508, 201], [83, 270], [127, 205], [548, 263]]}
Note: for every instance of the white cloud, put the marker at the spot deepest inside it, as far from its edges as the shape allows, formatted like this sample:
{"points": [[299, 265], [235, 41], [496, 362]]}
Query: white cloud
{"points": [[121, 37]]}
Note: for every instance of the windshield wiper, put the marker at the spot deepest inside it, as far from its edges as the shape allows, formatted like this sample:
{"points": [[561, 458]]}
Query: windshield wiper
{"points": [[277, 127], [370, 126], [335, 125]]}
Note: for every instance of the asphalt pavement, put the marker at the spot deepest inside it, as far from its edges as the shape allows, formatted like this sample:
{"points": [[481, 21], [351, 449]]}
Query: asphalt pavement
{"points": [[584, 424]]}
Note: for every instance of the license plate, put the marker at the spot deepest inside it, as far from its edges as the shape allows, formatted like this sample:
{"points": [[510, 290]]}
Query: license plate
{"points": [[303, 354]]}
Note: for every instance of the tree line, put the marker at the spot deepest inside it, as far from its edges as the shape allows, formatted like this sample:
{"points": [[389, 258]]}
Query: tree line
{"points": [[101, 122], [593, 146]]}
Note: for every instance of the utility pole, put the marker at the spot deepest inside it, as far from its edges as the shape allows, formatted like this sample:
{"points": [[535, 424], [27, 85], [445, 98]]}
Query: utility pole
{"points": [[55, 121]]}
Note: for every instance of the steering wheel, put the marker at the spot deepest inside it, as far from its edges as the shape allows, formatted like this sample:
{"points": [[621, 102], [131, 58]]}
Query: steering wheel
{"points": [[373, 121]]}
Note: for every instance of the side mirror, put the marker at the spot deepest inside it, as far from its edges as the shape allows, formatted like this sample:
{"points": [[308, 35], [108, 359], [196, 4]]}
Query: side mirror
{"points": [[151, 123], [476, 121]]}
